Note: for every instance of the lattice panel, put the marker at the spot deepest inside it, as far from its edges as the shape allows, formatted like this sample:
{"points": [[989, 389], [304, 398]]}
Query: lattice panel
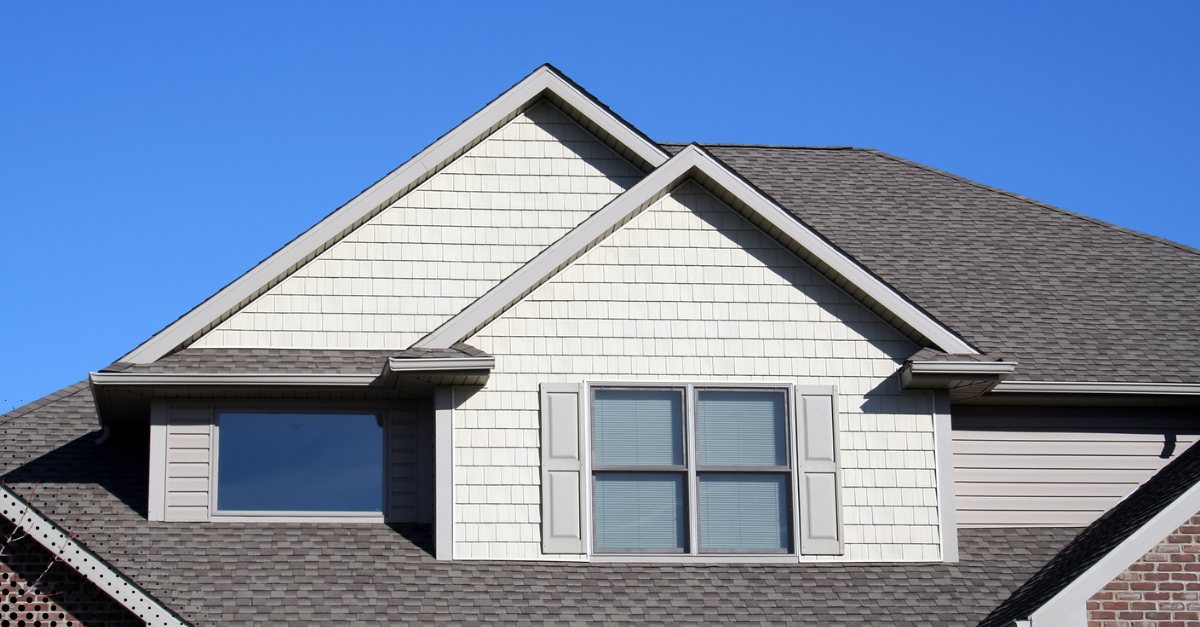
{"points": [[63, 598]]}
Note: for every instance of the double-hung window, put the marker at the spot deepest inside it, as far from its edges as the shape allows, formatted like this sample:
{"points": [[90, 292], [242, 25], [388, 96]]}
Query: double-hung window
{"points": [[692, 469]]}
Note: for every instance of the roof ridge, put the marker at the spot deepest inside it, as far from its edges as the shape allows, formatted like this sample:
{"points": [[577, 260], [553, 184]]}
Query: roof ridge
{"points": [[1026, 199], [773, 146], [44, 401]]}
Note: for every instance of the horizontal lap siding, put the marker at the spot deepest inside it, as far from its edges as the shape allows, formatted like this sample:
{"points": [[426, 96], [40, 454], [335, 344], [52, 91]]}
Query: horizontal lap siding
{"points": [[1050, 479], [189, 458], [689, 290], [442, 245]]}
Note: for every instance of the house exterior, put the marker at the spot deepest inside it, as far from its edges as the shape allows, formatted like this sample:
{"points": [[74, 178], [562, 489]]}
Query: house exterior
{"points": [[551, 371]]}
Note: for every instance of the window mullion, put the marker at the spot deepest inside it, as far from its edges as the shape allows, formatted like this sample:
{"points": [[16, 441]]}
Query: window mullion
{"points": [[692, 438]]}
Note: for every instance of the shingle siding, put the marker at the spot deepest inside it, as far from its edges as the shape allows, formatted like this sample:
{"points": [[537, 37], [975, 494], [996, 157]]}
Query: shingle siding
{"points": [[442, 245], [689, 290]]}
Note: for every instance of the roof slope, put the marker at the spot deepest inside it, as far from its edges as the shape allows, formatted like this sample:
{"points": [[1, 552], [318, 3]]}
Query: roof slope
{"points": [[368, 574], [1101, 537], [1068, 297]]}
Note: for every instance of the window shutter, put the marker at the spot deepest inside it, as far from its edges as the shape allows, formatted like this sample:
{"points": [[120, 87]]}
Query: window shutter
{"points": [[562, 468], [819, 485]]}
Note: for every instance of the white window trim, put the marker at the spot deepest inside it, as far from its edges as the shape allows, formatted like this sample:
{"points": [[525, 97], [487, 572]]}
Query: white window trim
{"points": [[793, 392], [267, 516]]}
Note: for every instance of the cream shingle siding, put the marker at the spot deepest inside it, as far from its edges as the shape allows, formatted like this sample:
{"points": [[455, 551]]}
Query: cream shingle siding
{"points": [[689, 290], [399, 276]]}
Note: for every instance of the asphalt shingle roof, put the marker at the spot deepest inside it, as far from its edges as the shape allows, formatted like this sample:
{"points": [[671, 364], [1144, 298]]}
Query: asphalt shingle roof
{"points": [[1068, 297], [242, 574]]}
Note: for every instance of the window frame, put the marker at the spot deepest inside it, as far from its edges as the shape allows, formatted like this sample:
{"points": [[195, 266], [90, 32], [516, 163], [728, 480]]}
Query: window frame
{"points": [[381, 414], [692, 469]]}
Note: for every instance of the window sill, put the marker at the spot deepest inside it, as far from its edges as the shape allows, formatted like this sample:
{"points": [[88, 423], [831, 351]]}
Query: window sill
{"points": [[298, 517], [697, 559]]}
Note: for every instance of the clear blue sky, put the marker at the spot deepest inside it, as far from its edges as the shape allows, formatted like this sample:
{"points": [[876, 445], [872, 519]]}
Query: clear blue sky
{"points": [[152, 152]]}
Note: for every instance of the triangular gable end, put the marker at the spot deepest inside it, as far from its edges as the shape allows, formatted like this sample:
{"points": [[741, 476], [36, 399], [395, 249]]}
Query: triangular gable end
{"points": [[695, 163], [546, 84]]}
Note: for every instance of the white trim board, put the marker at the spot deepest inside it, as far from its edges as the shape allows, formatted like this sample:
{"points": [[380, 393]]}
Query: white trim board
{"points": [[1068, 607], [543, 82], [94, 569], [1096, 387], [691, 162], [174, 378]]}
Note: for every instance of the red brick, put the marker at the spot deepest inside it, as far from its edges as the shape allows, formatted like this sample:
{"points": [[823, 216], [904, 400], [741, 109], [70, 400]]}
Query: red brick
{"points": [[1130, 616], [1141, 567], [1170, 585], [1143, 605], [1116, 606], [1158, 616], [1184, 557], [1179, 539], [1171, 606], [1102, 615], [1187, 616], [1184, 577], [1156, 596], [1154, 577], [1169, 567], [1102, 595], [1149, 585]]}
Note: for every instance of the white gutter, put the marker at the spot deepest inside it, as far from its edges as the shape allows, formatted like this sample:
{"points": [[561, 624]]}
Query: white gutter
{"points": [[1096, 387], [174, 378], [401, 364], [963, 367], [62, 546]]}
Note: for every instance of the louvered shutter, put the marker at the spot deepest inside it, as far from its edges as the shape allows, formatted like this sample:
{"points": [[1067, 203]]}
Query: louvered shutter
{"points": [[820, 486], [562, 468]]}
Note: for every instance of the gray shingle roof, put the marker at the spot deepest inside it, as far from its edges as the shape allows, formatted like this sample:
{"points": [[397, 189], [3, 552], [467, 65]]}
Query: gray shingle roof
{"points": [[286, 360], [1101, 537], [373, 574], [1068, 297]]}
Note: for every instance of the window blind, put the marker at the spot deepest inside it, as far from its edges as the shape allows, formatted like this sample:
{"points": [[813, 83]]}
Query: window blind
{"points": [[744, 512], [640, 511], [742, 428], [639, 427]]}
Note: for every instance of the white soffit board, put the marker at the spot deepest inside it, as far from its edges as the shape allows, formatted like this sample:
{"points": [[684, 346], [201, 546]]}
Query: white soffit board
{"points": [[545, 81], [181, 378], [690, 162], [1073, 599], [95, 570]]}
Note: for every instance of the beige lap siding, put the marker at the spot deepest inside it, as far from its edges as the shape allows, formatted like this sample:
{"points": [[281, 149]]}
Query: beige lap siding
{"points": [[689, 290], [1051, 478], [442, 245]]}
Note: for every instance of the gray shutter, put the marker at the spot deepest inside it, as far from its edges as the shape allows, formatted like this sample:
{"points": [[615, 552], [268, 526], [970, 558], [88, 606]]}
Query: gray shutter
{"points": [[819, 484], [562, 468]]}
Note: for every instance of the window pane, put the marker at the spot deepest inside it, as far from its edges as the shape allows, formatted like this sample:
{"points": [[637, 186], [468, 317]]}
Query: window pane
{"points": [[744, 512], [639, 511], [742, 428], [300, 462], [639, 427]]}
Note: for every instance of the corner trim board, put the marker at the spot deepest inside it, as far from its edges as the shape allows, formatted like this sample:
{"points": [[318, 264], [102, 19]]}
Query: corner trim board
{"points": [[943, 447], [86, 563], [443, 400]]}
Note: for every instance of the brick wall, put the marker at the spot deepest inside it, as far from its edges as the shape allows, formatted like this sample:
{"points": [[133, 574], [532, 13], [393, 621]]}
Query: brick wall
{"points": [[63, 598], [1160, 589]]}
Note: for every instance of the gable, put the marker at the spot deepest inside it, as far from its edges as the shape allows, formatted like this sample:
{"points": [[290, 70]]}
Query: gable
{"points": [[690, 290], [441, 246]]}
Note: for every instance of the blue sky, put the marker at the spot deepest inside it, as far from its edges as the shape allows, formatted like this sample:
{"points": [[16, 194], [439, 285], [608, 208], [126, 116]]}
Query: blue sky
{"points": [[152, 152]]}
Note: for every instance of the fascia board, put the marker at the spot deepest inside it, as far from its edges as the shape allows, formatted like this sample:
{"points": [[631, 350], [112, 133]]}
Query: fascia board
{"points": [[1096, 387], [59, 543], [1068, 604], [962, 367], [440, 363], [101, 379], [689, 161], [375, 198]]}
